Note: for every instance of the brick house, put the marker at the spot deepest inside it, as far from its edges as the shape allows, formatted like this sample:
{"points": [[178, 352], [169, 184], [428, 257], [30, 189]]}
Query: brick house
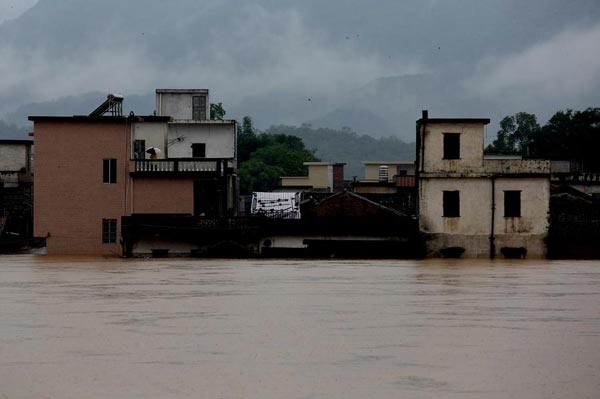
{"points": [[93, 170]]}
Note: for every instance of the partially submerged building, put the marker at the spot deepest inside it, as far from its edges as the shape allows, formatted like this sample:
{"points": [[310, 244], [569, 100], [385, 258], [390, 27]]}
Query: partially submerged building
{"points": [[472, 206], [93, 170], [16, 193]]}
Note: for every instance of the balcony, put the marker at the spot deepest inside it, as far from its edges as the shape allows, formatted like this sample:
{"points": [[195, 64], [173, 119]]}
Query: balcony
{"points": [[214, 167]]}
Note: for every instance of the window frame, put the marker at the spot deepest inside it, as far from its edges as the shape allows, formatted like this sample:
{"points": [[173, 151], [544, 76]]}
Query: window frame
{"points": [[198, 110], [450, 205], [512, 206], [109, 171], [451, 144], [109, 231], [199, 146], [140, 146]]}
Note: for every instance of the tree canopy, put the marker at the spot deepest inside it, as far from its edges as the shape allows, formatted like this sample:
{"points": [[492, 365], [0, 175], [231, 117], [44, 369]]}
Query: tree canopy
{"points": [[515, 134], [265, 157], [569, 135], [217, 112]]}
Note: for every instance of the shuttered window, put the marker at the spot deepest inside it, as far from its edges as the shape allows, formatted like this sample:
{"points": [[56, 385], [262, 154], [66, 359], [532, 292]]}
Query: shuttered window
{"points": [[198, 108]]}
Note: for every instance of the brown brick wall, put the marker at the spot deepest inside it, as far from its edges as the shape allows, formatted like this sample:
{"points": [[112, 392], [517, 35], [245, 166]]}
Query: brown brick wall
{"points": [[70, 198], [162, 195], [338, 178]]}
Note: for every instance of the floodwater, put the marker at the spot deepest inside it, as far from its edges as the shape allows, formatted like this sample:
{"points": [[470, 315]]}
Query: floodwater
{"points": [[173, 328]]}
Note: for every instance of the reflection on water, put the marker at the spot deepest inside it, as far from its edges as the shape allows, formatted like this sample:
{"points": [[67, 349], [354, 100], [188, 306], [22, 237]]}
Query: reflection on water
{"points": [[96, 328]]}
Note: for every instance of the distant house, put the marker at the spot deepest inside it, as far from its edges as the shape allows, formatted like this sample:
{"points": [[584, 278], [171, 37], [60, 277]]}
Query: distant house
{"points": [[386, 177], [476, 206], [15, 162], [343, 224], [93, 170], [16, 178], [322, 176]]}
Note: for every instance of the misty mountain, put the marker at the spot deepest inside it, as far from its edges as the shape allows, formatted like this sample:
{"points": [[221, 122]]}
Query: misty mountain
{"points": [[267, 58], [81, 104], [360, 120], [344, 145]]}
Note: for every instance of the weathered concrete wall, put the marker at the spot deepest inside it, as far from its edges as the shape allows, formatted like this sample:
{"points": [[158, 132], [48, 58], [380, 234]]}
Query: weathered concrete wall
{"points": [[472, 229], [471, 147], [478, 246], [70, 198], [13, 157], [178, 103], [219, 138], [475, 206], [516, 166], [535, 206], [155, 135], [161, 195]]}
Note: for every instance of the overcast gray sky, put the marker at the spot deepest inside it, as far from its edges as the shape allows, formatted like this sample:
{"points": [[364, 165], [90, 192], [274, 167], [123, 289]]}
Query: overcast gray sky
{"points": [[267, 57]]}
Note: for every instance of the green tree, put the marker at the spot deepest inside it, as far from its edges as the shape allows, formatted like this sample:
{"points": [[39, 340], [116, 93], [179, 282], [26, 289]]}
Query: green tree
{"points": [[265, 157], [217, 112], [515, 134], [247, 141], [572, 135]]}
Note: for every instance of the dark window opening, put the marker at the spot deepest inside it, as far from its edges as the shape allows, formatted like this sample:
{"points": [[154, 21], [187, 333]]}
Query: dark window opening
{"points": [[451, 145], [109, 171], [198, 150], [109, 231], [198, 108], [139, 149], [451, 204], [512, 204]]}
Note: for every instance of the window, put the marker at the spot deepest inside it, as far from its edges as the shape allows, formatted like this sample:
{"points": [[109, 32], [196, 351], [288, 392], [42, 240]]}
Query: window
{"points": [[198, 150], [109, 170], [451, 204], [451, 145], [139, 149], [109, 231], [198, 108], [512, 204]]}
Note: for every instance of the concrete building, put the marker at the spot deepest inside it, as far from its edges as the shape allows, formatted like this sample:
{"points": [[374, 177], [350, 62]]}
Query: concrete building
{"points": [[322, 176], [16, 192], [386, 177], [15, 162], [476, 207], [94, 170]]}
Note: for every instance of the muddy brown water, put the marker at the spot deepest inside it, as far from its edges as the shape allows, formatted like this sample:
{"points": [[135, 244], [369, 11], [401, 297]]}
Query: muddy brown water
{"points": [[172, 328]]}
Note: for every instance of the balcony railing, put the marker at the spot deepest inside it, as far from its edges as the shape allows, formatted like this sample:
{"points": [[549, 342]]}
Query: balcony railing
{"points": [[180, 165]]}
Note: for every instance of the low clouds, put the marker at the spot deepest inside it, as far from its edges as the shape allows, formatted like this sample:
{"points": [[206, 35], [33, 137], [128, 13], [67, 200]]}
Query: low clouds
{"points": [[10, 9], [265, 58], [255, 52], [567, 65]]}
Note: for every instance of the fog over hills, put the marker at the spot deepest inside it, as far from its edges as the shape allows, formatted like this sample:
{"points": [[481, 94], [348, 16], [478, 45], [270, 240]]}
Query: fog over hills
{"points": [[370, 66]]}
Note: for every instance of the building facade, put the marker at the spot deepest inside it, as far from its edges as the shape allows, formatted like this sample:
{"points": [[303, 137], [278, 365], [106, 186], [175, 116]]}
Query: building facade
{"points": [[94, 170], [386, 177], [16, 191], [476, 207], [322, 176]]}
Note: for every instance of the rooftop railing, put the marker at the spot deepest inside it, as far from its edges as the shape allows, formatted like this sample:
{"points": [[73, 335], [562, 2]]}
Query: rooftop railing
{"points": [[179, 165]]}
